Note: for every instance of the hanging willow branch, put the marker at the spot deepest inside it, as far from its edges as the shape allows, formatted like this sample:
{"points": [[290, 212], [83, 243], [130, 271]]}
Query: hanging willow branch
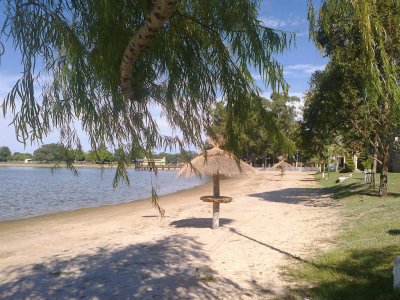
{"points": [[181, 56]]}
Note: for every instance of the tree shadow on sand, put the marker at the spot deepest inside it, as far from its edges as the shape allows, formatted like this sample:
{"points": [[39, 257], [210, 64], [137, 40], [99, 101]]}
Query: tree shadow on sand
{"points": [[199, 222], [315, 197], [170, 268]]}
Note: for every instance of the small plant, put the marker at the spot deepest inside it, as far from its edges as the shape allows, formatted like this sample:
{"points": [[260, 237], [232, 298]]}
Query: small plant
{"points": [[207, 278], [366, 163], [205, 274], [348, 166]]}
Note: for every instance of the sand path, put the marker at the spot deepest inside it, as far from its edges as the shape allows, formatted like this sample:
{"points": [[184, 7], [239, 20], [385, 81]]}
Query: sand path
{"points": [[126, 252]]}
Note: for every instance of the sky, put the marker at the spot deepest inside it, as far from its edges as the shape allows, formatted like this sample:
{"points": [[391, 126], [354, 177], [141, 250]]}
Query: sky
{"points": [[299, 62]]}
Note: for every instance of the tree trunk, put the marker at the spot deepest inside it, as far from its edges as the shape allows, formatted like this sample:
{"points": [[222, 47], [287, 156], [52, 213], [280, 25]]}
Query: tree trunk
{"points": [[216, 185], [215, 222], [385, 169], [375, 162], [385, 143], [161, 12]]}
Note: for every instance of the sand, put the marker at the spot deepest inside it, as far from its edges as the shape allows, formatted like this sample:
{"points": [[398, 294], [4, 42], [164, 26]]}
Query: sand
{"points": [[126, 251]]}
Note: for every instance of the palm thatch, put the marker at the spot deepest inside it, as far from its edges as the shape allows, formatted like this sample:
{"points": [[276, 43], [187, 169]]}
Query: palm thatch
{"points": [[216, 161], [281, 164]]}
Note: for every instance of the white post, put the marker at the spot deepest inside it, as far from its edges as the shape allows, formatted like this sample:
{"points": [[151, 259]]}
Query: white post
{"points": [[355, 158], [215, 223]]}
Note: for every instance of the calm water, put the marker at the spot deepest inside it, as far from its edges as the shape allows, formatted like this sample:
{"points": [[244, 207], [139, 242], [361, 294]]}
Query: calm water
{"points": [[26, 192]]}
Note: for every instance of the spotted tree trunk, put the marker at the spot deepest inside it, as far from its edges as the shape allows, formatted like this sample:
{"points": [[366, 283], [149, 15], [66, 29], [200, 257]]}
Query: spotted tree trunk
{"points": [[384, 171], [161, 12]]}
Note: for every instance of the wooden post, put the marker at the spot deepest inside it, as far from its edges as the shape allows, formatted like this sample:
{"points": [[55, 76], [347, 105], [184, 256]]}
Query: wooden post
{"points": [[215, 223], [216, 185]]}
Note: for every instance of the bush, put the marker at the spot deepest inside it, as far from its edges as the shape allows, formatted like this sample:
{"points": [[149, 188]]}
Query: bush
{"points": [[366, 163], [348, 166], [5, 153]]}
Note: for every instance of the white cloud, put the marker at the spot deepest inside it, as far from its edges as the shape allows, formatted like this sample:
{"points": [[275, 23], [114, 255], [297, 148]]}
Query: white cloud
{"points": [[278, 23], [273, 22], [296, 94], [296, 21], [302, 34], [301, 70]]}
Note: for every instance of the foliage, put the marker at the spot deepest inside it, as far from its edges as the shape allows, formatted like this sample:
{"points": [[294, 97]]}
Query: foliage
{"points": [[268, 128], [349, 165], [5, 153], [282, 106], [360, 264], [365, 162], [76, 154], [17, 156], [101, 156], [361, 38], [332, 110], [50, 153], [205, 48]]}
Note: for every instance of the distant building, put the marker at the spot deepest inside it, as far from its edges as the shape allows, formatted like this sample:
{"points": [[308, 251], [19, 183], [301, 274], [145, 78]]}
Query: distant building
{"points": [[28, 160], [146, 162]]}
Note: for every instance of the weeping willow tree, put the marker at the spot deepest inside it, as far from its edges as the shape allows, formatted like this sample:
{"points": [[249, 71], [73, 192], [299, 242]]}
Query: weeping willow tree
{"points": [[366, 33], [105, 66]]}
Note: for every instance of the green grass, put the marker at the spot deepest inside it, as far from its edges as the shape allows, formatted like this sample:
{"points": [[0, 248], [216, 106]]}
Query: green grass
{"points": [[360, 266]]}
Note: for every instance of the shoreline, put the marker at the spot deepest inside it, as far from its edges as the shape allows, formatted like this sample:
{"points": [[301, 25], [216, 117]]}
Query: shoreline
{"points": [[91, 209], [64, 166], [127, 251]]}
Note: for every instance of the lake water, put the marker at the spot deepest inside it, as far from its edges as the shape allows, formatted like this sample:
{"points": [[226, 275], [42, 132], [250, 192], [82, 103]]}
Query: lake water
{"points": [[26, 192]]}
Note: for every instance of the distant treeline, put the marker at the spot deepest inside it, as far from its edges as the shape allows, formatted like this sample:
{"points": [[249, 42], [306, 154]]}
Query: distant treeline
{"points": [[58, 153]]}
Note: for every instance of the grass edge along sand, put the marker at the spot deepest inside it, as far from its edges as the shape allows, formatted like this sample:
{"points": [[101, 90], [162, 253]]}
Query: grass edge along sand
{"points": [[360, 266]]}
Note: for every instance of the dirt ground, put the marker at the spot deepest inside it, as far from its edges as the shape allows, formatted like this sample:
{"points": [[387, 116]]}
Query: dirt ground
{"points": [[126, 251]]}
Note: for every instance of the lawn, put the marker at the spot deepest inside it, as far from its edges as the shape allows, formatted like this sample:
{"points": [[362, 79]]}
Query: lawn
{"points": [[361, 264]]}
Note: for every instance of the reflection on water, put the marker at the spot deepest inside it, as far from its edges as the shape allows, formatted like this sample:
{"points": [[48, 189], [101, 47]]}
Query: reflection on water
{"points": [[35, 191]]}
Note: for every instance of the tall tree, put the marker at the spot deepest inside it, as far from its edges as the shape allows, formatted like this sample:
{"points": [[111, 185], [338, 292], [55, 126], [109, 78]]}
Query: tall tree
{"points": [[333, 113], [367, 32], [266, 131], [5, 153], [17, 156], [50, 153], [283, 108], [101, 155]]}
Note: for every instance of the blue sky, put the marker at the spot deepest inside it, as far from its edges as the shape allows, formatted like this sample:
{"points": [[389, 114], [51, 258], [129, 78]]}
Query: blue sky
{"points": [[299, 62]]}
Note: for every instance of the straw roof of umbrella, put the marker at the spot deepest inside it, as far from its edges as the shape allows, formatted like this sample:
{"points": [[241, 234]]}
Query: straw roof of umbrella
{"points": [[216, 161], [281, 164]]}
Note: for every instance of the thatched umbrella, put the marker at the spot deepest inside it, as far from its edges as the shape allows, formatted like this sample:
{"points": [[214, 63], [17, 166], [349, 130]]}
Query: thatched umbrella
{"points": [[215, 162]]}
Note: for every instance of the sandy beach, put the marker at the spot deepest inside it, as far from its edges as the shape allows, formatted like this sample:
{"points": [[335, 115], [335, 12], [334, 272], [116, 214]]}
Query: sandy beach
{"points": [[126, 251]]}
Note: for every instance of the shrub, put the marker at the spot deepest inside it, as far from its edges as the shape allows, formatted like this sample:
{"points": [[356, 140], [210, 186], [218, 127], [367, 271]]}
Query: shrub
{"points": [[348, 166]]}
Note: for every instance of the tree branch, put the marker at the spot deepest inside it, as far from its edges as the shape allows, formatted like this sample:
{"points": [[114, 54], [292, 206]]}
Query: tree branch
{"points": [[161, 12]]}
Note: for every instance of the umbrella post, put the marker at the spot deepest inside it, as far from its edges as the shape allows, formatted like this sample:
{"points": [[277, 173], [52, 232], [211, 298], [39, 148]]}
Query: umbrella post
{"points": [[216, 185], [215, 223]]}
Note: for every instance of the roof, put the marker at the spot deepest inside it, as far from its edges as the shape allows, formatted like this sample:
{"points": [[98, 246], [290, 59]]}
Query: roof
{"points": [[216, 161]]}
